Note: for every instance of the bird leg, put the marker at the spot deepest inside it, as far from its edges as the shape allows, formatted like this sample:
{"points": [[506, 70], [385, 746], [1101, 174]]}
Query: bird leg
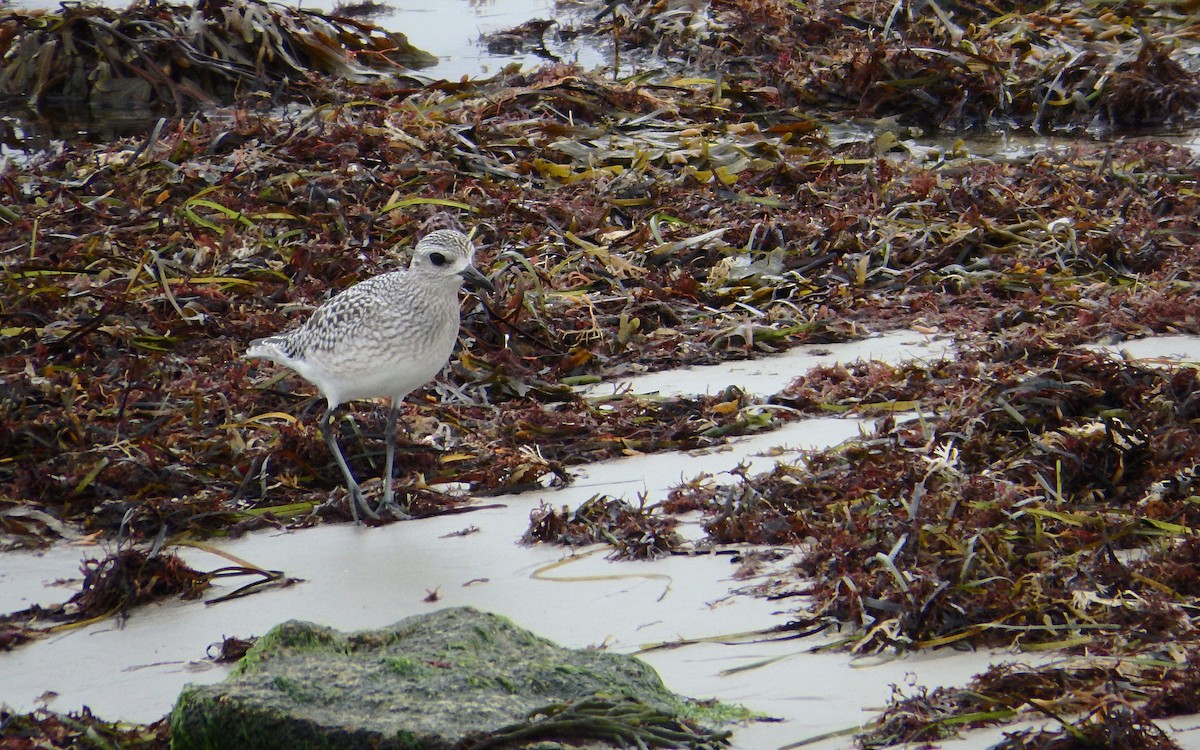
{"points": [[356, 494], [389, 504]]}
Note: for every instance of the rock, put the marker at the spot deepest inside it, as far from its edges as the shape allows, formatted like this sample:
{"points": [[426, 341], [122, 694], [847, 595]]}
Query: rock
{"points": [[455, 678]]}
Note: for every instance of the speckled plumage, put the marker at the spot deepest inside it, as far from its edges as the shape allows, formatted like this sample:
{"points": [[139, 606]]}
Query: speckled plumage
{"points": [[383, 337]]}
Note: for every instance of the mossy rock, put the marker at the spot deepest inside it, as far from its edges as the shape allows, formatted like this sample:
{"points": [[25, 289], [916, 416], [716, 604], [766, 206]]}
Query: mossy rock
{"points": [[453, 678]]}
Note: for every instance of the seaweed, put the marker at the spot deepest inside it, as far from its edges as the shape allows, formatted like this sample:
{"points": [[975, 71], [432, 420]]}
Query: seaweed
{"points": [[634, 533], [1048, 67], [127, 578], [176, 58], [1030, 493], [1001, 515], [1013, 691], [46, 729]]}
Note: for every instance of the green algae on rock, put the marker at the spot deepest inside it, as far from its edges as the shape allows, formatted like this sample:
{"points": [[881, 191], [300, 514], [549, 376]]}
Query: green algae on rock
{"points": [[453, 678]]}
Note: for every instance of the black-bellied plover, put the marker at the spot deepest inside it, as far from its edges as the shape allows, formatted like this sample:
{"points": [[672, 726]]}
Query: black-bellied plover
{"points": [[382, 337]]}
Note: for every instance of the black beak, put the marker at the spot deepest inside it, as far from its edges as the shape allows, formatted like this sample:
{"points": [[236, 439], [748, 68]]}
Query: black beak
{"points": [[474, 278]]}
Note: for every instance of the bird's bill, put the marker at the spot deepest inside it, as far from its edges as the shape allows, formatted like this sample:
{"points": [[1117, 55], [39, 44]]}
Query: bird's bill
{"points": [[473, 277]]}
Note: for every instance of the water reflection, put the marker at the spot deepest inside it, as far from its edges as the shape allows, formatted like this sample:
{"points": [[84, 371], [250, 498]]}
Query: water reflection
{"points": [[451, 31], [24, 129]]}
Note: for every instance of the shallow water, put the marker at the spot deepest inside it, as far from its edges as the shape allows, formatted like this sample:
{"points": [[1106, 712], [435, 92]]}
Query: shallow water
{"points": [[453, 31], [357, 578], [449, 29]]}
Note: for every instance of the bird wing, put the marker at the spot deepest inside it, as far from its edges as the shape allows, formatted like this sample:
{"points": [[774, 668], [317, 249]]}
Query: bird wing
{"points": [[341, 322]]}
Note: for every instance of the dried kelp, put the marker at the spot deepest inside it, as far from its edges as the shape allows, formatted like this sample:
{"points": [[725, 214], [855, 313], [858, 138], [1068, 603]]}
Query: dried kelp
{"points": [[174, 57], [635, 533], [111, 587], [625, 230], [1109, 726], [45, 729], [1008, 692], [624, 723], [999, 516], [1046, 66], [230, 649], [123, 580], [1047, 498]]}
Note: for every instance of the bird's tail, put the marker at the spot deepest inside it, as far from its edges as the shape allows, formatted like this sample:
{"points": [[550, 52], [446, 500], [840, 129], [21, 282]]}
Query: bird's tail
{"points": [[267, 348]]}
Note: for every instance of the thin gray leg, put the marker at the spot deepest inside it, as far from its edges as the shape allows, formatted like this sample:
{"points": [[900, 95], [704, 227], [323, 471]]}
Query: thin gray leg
{"points": [[389, 502], [356, 496]]}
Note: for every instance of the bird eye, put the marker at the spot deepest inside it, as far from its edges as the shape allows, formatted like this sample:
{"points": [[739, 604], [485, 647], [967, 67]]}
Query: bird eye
{"points": [[437, 259]]}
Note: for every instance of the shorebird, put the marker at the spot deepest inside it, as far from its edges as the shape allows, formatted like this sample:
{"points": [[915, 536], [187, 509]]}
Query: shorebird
{"points": [[381, 338]]}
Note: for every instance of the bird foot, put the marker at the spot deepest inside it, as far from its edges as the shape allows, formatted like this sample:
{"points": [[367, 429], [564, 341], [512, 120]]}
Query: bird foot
{"points": [[398, 512], [359, 500]]}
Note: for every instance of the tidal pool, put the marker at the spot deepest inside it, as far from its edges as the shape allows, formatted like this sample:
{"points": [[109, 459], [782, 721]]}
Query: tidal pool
{"points": [[450, 29]]}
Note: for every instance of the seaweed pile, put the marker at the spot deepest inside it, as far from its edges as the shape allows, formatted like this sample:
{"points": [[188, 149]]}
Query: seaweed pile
{"points": [[46, 729], [625, 230], [1042, 500], [126, 578], [936, 64], [1045, 497], [178, 57], [634, 533], [1042, 497], [1057, 693]]}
